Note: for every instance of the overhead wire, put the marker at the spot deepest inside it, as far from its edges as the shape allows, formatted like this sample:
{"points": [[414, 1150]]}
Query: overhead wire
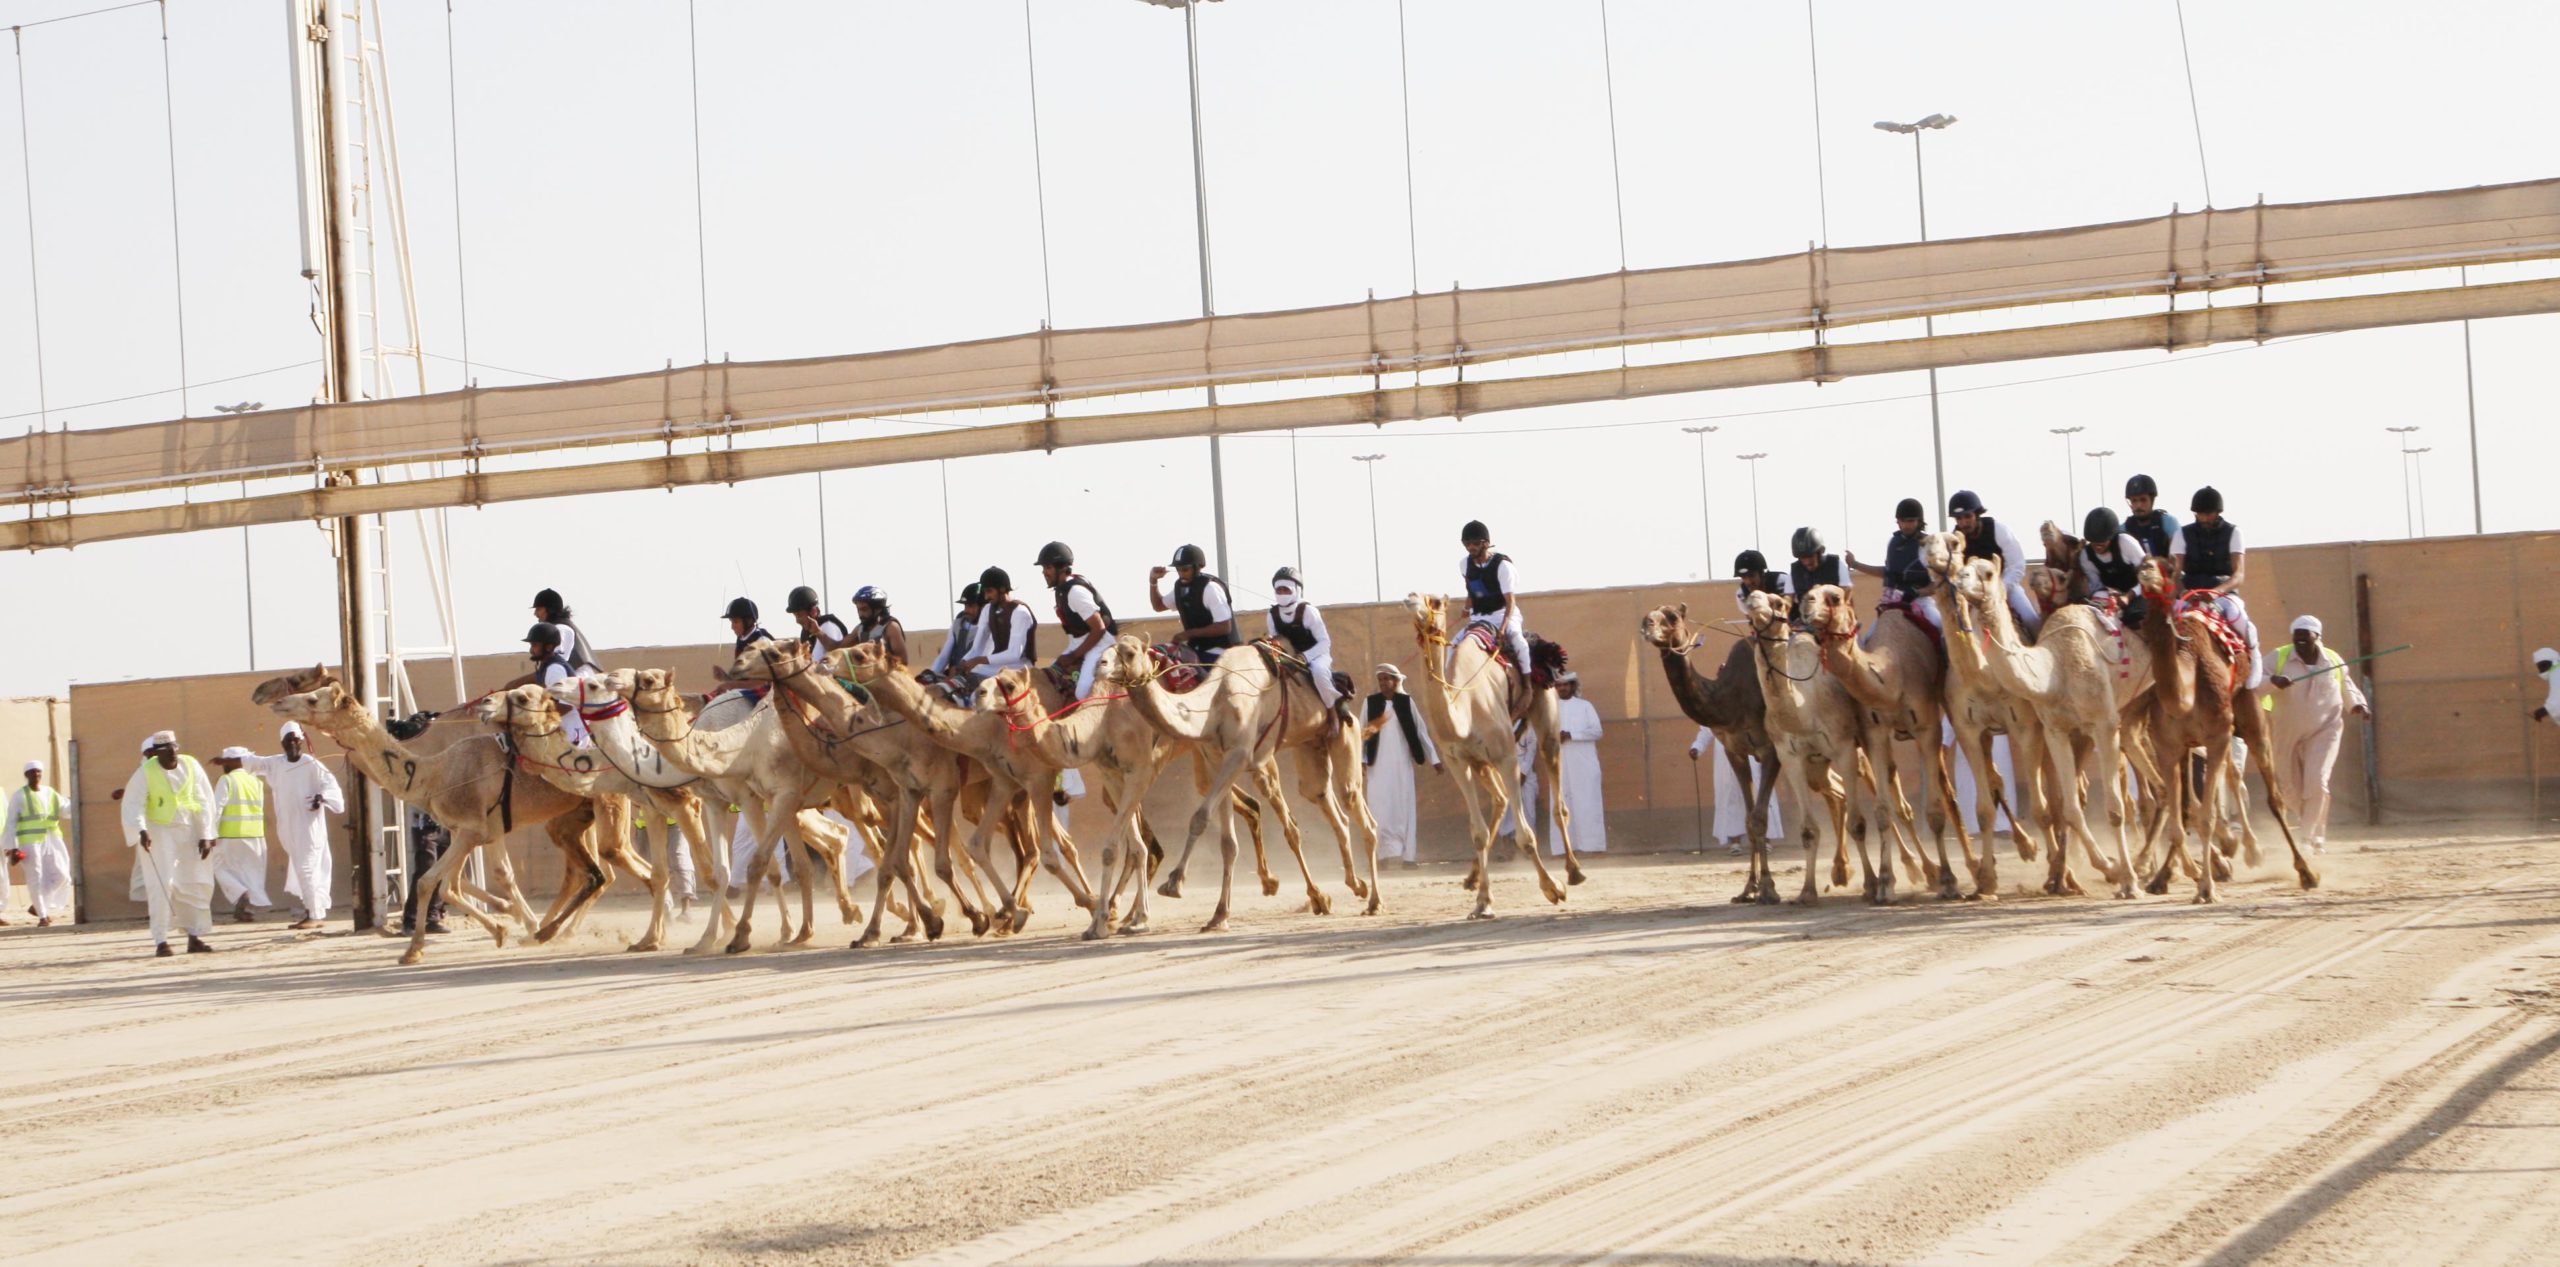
{"points": [[1821, 182], [701, 263], [2195, 113], [86, 13], [177, 248], [453, 138], [1039, 178], [27, 176], [1404, 94], [1609, 87]]}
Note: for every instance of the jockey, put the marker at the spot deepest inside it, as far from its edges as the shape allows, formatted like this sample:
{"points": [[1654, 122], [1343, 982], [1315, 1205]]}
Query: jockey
{"points": [[1493, 593], [1751, 574], [1296, 622], [1082, 616], [955, 644], [741, 614], [1905, 572], [1812, 566], [2156, 529], [2110, 560], [2210, 564], [873, 623], [1006, 635], [1987, 538], [820, 633], [1200, 599]]}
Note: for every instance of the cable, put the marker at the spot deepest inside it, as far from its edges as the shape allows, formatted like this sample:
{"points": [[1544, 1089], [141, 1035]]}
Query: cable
{"points": [[453, 135], [701, 264], [177, 249], [26, 172], [1821, 184], [1404, 92], [91, 13], [466, 364], [2194, 113], [1039, 180], [209, 382], [1609, 84]]}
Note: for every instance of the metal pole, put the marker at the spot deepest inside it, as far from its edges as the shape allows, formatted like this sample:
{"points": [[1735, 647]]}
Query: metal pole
{"points": [[2418, 472], [1297, 511], [1753, 460], [2408, 511], [950, 578], [1377, 570], [2471, 407], [1706, 516], [1208, 303], [2102, 455], [2070, 476], [1929, 327]]}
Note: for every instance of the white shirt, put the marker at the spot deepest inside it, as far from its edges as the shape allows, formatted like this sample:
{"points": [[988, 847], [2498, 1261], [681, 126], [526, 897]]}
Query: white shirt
{"points": [[2551, 701], [1698, 746], [1578, 721], [1012, 654], [2128, 549], [1510, 589], [2013, 561], [955, 648], [572, 727], [1085, 606], [1308, 615]]}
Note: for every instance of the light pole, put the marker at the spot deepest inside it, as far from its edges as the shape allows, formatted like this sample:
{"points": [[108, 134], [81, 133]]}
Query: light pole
{"points": [[1920, 182], [2471, 408], [1377, 573], [2408, 511], [1706, 519], [2418, 460], [2070, 478], [248, 589], [1754, 460], [1200, 219], [2102, 455]]}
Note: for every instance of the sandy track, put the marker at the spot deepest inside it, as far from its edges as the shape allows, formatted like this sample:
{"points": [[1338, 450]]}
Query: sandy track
{"points": [[2367, 1073]]}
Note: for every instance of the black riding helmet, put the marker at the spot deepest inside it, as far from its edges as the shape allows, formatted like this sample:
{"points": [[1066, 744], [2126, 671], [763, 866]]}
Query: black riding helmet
{"points": [[543, 634], [972, 593], [1191, 557], [2101, 527], [1057, 554], [2207, 501], [803, 599], [1289, 574], [1474, 532], [995, 579], [1908, 508], [1805, 542], [2141, 486], [1965, 502], [741, 609], [1749, 563]]}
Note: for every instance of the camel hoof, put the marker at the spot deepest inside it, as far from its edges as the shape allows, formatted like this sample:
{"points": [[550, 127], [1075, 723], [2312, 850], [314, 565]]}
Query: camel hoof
{"points": [[1172, 887], [978, 923], [1573, 872], [1480, 914], [806, 934], [737, 945], [865, 941], [2221, 867], [932, 929], [1096, 933], [1022, 917], [1216, 924], [499, 934], [1947, 890], [2124, 891], [1805, 899], [1744, 897], [1839, 873], [2205, 899], [1318, 903], [1469, 884], [1134, 927], [412, 958], [1270, 886], [907, 938], [644, 944], [1358, 889], [2310, 879], [2159, 885], [1983, 895]]}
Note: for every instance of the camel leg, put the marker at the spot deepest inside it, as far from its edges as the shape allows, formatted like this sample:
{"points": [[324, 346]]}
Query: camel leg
{"points": [[989, 818], [1499, 796], [433, 882], [586, 874], [1942, 795], [1551, 789], [1315, 782], [1221, 781], [1975, 741], [2304, 873], [1757, 816], [504, 865], [1125, 863], [1058, 852], [661, 891], [1833, 815], [1266, 775], [2207, 811], [1349, 806], [763, 827], [2066, 799], [1526, 837], [711, 868]]}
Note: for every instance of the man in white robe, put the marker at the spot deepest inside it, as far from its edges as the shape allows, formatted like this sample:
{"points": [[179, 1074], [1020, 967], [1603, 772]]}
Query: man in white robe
{"points": [[1733, 801], [1393, 732], [1528, 786], [2313, 696], [33, 835], [1578, 769], [168, 816], [239, 836], [2546, 664], [304, 795]]}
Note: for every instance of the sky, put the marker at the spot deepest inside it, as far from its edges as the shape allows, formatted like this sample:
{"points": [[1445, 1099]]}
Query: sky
{"points": [[867, 181]]}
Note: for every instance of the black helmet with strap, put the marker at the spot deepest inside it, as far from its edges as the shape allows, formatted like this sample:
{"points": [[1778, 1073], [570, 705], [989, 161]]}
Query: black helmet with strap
{"points": [[1191, 557], [2141, 486], [2101, 527], [1908, 508], [803, 599], [1749, 563], [741, 609], [1805, 542], [1057, 554], [995, 579], [1965, 502], [2207, 501]]}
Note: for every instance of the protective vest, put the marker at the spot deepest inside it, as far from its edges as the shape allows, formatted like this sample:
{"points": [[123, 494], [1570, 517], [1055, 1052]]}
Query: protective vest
{"points": [[2120, 574], [1984, 541], [1905, 571], [1826, 572], [1000, 627], [2208, 555], [753, 637], [1404, 718], [245, 816], [1294, 632], [1077, 626], [39, 813], [168, 793], [878, 631], [829, 627], [1484, 585], [2151, 528], [2267, 702], [1191, 599]]}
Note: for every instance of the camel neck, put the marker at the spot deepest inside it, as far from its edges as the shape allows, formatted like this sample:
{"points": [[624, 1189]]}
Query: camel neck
{"points": [[1698, 695]]}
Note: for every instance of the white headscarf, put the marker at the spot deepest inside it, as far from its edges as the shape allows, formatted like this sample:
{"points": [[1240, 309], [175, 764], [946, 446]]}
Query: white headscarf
{"points": [[290, 730], [2312, 623], [2545, 655], [159, 737], [1389, 670], [1287, 596], [32, 767], [236, 753]]}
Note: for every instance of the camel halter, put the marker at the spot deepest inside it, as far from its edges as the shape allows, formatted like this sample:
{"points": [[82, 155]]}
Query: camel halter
{"points": [[1435, 646], [1787, 639]]}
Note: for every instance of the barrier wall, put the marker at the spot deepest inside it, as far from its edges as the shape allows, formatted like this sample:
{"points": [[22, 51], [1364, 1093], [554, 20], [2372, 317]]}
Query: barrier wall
{"points": [[2452, 736]]}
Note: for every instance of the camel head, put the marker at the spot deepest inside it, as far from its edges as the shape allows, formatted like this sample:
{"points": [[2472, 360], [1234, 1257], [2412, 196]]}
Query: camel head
{"points": [[863, 662], [1768, 611], [1430, 617], [1977, 588], [1831, 613], [653, 690], [1125, 664], [2061, 549], [592, 690], [2156, 581], [769, 660], [2050, 587], [1668, 628], [528, 708], [1943, 552], [276, 688], [324, 704], [1010, 693]]}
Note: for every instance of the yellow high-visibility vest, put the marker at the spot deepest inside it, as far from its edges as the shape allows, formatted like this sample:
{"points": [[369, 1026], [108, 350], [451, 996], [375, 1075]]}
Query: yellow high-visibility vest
{"points": [[164, 798], [245, 816], [2267, 702], [38, 814]]}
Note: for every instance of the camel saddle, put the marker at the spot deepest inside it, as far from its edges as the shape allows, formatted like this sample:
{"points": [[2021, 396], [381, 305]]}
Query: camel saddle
{"points": [[1178, 667], [1283, 660], [2235, 648], [1546, 662], [1910, 612]]}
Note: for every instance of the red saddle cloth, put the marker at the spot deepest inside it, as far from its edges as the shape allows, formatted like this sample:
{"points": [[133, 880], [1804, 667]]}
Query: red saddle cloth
{"points": [[1911, 613], [2235, 648], [1178, 667], [1546, 659]]}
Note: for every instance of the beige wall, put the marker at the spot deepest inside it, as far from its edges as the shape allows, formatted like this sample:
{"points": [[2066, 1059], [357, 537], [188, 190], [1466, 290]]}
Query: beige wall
{"points": [[2452, 733]]}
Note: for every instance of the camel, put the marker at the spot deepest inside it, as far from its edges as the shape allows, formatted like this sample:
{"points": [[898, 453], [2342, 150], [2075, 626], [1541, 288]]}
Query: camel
{"points": [[1106, 734], [1897, 678], [2197, 701], [1728, 704], [1018, 773], [604, 701], [1814, 722], [1242, 717], [857, 740], [2081, 676], [1979, 708], [531, 717], [471, 787], [1467, 708]]}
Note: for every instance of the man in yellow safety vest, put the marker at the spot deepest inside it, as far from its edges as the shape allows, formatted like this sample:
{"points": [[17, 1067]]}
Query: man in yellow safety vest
{"points": [[2312, 699], [239, 836], [168, 812], [33, 830]]}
